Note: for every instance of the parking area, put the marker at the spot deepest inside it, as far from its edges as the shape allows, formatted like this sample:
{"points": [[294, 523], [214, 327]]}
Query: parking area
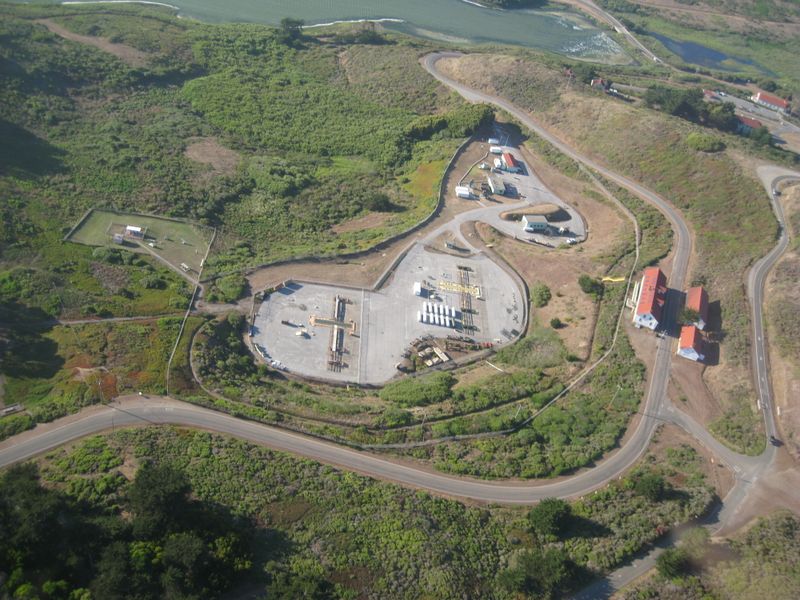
{"points": [[564, 226], [347, 335]]}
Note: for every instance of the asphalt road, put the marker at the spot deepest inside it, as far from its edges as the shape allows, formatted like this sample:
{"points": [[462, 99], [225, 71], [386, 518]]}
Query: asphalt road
{"points": [[131, 411]]}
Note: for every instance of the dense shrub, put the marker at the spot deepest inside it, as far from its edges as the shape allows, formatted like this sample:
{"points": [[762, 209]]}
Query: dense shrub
{"points": [[419, 391], [704, 142], [540, 295]]}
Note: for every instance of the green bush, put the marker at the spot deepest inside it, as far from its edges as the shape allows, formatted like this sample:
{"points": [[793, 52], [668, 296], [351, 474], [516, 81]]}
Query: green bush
{"points": [[650, 486], [419, 391], [14, 424], [230, 288], [672, 563], [704, 142], [540, 295], [550, 517], [590, 285]]}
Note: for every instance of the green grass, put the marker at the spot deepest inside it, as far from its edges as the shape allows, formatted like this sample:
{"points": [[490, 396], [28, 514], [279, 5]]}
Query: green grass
{"points": [[168, 236]]}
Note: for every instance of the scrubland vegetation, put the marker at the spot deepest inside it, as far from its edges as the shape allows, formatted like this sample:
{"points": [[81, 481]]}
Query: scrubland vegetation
{"points": [[171, 513], [56, 371], [759, 561]]}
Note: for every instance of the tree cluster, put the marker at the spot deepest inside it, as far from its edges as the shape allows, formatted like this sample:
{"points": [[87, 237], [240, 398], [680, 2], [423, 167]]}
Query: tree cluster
{"points": [[171, 546]]}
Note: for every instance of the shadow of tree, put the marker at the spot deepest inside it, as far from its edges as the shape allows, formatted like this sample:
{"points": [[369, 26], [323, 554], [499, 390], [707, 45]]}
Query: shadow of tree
{"points": [[24, 350], [581, 527], [24, 155]]}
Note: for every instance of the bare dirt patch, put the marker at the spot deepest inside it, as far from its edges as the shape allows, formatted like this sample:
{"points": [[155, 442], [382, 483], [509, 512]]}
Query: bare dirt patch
{"points": [[127, 54], [778, 489], [366, 222], [539, 209], [111, 277], [560, 272], [208, 151], [689, 392]]}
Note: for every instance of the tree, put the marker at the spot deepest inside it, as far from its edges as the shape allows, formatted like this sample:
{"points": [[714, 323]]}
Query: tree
{"points": [[650, 485], [688, 316], [158, 499], [186, 565], [762, 136], [556, 323], [591, 286], [379, 202], [722, 116], [540, 295], [540, 573], [550, 517], [291, 30], [687, 104], [672, 563], [113, 573]]}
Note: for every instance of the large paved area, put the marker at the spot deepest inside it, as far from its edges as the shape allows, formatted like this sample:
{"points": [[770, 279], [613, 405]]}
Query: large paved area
{"points": [[378, 326], [346, 334]]}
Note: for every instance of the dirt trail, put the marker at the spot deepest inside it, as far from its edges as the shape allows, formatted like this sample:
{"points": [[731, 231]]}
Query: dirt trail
{"points": [[127, 54]]}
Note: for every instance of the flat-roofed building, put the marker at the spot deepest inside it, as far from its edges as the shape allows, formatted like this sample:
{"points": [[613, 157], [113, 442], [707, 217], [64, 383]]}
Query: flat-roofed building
{"points": [[535, 223], [496, 185]]}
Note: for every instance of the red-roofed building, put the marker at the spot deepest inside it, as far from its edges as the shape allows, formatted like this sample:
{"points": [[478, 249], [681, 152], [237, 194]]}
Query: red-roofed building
{"points": [[691, 343], [652, 294], [770, 101], [746, 124], [510, 163], [697, 300]]}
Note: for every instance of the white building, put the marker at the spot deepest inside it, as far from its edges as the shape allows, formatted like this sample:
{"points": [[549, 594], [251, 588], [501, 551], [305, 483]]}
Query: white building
{"points": [[496, 185], [463, 191], [652, 293], [534, 224], [691, 343]]}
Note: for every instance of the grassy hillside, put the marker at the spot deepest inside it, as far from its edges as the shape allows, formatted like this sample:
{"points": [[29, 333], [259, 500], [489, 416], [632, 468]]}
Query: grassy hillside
{"points": [[763, 33], [726, 206], [232, 126]]}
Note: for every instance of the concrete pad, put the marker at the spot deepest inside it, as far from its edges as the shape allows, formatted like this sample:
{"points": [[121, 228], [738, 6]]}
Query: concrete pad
{"points": [[385, 320]]}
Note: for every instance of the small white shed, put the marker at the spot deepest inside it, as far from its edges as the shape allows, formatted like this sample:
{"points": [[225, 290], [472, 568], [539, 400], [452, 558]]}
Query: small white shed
{"points": [[463, 191]]}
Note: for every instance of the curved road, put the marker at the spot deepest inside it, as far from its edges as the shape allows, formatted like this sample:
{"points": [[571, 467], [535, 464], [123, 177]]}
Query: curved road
{"points": [[131, 411]]}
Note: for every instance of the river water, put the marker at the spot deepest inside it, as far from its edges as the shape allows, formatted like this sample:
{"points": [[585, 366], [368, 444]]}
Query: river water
{"points": [[450, 20]]}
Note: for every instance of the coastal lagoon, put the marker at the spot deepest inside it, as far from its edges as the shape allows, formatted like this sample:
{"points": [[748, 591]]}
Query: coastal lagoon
{"points": [[447, 20]]}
